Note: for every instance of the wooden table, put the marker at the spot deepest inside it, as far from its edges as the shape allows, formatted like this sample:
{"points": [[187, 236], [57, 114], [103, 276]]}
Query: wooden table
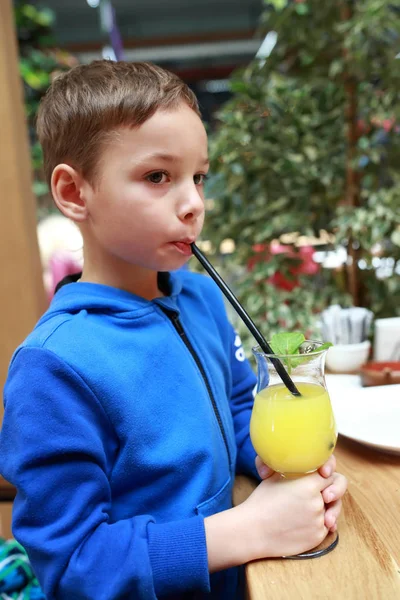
{"points": [[365, 564]]}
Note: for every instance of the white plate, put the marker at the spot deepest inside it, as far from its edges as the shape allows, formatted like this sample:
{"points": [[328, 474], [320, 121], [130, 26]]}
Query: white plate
{"points": [[368, 415]]}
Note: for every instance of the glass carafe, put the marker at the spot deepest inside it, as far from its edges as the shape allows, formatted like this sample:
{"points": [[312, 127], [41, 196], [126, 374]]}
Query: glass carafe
{"points": [[293, 435]]}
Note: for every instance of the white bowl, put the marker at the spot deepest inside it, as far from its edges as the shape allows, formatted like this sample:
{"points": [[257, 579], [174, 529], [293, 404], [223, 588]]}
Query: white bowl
{"points": [[347, 358]]}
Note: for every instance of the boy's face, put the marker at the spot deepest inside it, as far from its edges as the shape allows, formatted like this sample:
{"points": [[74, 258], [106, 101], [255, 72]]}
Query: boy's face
{"points": [[148, 203]]}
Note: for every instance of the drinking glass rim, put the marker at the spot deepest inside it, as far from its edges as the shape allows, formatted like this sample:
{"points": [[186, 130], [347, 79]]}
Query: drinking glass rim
{"points": [[257, 350]]}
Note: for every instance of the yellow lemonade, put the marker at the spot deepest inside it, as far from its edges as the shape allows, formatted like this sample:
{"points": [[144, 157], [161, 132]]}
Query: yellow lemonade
{"points": [[293, 435]]}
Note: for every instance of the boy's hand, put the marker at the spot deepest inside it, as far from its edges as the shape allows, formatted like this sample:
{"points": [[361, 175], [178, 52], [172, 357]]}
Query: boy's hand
{"points": [[286, 516], [332, 494], [281, 517]]}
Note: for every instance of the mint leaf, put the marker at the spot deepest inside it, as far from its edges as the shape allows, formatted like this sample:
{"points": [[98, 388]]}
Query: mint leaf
{"points": [[324, 346], [295, 362], [287, 343]]}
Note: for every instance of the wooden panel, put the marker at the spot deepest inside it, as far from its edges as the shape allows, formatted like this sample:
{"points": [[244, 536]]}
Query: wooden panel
{"points": [[22, 297], [5, 520], [7, 491]]}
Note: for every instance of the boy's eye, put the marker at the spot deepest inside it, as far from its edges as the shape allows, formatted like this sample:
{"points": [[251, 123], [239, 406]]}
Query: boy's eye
{"points": [[199, 178], [157, 177]]}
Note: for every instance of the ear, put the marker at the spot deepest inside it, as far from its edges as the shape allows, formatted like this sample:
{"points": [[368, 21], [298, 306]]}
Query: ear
{"points": [[67, 187]]}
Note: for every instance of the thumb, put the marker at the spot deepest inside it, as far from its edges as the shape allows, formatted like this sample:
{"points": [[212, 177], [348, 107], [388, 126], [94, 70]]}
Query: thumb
{"points": [[263, 470]]}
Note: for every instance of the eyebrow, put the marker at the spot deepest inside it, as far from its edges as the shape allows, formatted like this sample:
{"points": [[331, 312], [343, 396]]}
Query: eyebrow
{"points": [[167, 158]]}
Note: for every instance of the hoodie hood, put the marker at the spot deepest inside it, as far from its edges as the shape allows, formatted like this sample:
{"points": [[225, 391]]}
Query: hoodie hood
{"points": [[73, 296]]}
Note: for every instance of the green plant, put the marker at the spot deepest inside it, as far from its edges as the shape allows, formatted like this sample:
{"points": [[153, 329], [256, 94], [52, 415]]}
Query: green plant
{"points": [[39, 61], [310, 143]]}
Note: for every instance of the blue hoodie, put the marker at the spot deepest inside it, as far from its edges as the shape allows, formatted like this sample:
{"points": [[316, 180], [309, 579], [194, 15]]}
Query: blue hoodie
{"points": [[125, 421]]}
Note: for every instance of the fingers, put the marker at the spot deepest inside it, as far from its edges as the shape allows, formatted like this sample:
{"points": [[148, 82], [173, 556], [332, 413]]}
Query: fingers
{"points": [[262, 469], [332, 497], [324, 483], [332, 514], [336, 490], [329, 467], [321, 536]]}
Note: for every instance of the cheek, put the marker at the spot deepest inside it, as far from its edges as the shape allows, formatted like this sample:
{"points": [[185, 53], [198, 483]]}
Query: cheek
{"points": [[141, 199], [201, 218], [128, 212]]}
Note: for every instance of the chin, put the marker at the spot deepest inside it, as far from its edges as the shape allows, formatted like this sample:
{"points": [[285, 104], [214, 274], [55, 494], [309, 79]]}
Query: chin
{"points": [[173, 264]]}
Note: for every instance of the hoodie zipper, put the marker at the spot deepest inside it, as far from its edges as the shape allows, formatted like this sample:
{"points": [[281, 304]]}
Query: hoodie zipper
{"points": [[173, 317]]}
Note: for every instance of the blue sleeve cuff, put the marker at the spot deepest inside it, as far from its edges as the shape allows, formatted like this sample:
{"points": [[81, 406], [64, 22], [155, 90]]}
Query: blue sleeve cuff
{"points": [[178, 556]]}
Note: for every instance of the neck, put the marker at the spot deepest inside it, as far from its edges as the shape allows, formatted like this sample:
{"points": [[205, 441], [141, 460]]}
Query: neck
{"points": [[120, 274]]}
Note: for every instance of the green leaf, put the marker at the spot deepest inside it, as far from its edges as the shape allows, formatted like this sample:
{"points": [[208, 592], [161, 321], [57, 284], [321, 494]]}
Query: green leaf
{"points": [[335, 67], [287, 343], [364, 143], [277, 4], [40, 188], [311, 152], [395, 237], [292, 363], [302, 9], [324, 346]]}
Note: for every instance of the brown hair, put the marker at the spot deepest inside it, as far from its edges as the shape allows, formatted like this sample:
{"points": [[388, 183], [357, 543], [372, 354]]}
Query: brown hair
{"points": [[83, 105]]}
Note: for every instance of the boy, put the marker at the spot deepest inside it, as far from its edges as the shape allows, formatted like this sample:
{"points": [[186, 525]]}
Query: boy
{"points": [[126, 410]]}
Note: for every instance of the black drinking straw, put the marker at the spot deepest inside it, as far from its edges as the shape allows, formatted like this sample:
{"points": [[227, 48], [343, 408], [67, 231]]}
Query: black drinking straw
{"points": [[280, 369]]}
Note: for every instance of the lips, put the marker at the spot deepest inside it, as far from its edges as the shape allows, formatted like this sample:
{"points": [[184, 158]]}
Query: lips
{"points": [[183, 247]]}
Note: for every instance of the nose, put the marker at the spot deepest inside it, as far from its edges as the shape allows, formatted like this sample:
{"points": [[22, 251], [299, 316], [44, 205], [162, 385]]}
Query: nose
{"points": [[191, 206]]}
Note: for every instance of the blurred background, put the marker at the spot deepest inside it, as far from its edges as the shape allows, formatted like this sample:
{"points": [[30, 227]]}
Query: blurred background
{"points": [[301, 102]]}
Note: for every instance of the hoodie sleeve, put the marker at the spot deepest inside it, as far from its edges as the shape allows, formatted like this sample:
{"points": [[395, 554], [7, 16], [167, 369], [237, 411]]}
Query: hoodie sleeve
{"points": [[243, 387], [58, 447]]}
